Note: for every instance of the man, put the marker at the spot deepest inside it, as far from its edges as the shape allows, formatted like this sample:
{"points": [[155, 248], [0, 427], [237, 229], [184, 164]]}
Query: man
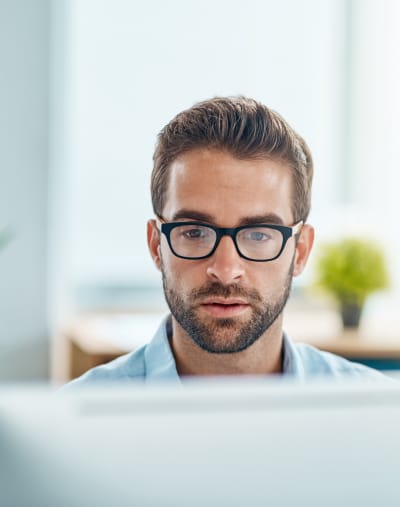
{"points": [[231, 192]]}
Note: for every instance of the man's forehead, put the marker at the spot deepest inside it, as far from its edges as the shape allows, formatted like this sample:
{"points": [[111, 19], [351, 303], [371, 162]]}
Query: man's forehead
{"points": [[217, 187], [211, 155], [223, 164]]}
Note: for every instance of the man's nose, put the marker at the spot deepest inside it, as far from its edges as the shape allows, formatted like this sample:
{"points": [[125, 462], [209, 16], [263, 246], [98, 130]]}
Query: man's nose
{"points": [[226, 265]]}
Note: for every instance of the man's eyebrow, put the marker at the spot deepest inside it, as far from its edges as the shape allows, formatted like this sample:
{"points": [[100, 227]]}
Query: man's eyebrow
{"points": [[188, 214], [268, 218]]}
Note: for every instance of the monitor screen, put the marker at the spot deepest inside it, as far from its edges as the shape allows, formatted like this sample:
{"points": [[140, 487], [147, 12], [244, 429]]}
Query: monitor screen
{"points": [[205, 443]]}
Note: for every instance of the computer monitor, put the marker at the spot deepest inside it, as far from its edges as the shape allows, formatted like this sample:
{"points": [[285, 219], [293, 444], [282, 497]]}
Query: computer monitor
{"points": [[233, 443]]}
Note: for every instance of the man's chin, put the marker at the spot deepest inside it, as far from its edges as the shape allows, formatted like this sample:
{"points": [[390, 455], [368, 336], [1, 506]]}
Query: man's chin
{"points": [[222, 342], [220, 336], [211, 324]]}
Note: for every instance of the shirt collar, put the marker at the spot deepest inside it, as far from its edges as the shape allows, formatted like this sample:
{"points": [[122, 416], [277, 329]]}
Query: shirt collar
{"points": [[159, 360], [292, 363]]}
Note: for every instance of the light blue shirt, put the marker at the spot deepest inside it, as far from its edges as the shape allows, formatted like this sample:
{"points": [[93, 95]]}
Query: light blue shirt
{"points": [[155, 362]]}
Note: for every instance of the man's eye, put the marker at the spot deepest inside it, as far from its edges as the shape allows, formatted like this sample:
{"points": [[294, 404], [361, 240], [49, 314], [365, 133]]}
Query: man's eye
{"points": [[257, 236], [194, 233]]}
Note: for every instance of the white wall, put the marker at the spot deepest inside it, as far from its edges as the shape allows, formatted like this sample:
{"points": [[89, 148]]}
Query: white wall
{"points": [[375, 109], [129, 67], [24, 30]]}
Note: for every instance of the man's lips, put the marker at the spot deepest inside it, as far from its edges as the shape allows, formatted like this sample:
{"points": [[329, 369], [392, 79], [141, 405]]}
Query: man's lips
{"points": [[223, 308], [223, 301]]}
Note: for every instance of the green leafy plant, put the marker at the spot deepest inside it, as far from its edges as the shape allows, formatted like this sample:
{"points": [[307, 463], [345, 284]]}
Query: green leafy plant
{"points": [[351, 269]]}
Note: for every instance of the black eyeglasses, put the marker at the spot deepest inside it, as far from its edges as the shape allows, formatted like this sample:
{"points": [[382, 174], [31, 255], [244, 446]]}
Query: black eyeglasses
{"points": [[196, 240]]}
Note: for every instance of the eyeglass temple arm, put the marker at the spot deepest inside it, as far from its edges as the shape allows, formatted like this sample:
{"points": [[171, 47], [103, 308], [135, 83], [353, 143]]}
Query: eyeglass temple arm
{"points": [[296, 229]]}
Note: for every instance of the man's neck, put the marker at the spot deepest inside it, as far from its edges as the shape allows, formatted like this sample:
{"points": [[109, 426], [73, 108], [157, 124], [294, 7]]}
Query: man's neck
{"points": [[262, 358]]}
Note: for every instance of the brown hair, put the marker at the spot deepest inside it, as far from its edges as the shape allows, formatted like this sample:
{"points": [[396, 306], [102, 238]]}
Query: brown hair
{"points": [[245, 128]]}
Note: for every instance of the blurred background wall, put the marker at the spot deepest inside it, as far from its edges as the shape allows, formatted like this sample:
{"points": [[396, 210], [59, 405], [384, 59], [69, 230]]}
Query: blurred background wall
{"points": [[86, 85], [24, 133]]}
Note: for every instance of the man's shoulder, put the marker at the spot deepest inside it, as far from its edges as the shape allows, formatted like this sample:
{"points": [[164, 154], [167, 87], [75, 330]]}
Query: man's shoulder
{"points": [[129, 367], [318, 362]]}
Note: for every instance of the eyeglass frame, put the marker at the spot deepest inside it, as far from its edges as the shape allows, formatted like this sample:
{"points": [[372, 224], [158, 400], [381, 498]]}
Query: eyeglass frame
{"points": [[287, 232]]}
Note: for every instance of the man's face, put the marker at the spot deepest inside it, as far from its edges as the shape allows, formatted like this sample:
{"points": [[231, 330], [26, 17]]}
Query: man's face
{"points": [[225, 302]]}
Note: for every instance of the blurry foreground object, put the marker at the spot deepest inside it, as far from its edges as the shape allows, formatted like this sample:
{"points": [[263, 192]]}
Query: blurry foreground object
{"points": [[204, 443], [351, 269]]}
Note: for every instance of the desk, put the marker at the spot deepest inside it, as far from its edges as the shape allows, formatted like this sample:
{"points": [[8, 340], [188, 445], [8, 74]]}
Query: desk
{"points": [[94, 339]]}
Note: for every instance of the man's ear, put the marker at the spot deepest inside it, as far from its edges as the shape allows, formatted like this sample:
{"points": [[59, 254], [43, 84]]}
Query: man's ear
{"points": [[303, 248], [153, 242]]}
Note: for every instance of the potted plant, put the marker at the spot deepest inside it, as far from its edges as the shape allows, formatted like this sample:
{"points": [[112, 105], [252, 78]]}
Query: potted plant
{"points": [[351, 269]]}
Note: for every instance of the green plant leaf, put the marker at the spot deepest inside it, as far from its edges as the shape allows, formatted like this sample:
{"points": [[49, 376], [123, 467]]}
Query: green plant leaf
{"points": [[351, 269]]}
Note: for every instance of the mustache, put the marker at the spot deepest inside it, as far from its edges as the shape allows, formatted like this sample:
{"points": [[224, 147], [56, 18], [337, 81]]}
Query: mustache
{"points": [[226, 291]]}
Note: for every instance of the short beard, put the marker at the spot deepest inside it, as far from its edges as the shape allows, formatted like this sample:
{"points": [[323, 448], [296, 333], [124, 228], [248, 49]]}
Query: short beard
{"points": [[229, 335]]}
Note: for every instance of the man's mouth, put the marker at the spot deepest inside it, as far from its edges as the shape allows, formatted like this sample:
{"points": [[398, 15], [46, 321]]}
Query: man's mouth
{"points": [[224, 308]]}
